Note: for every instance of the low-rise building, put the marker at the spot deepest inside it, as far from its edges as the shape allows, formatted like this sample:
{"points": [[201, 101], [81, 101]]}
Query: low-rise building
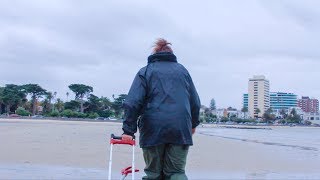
{"points": [[220, 113], [312, 117], [232, 112]]}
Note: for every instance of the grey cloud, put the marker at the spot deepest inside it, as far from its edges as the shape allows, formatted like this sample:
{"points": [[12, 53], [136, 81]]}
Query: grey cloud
{"points": [[104, 43]]}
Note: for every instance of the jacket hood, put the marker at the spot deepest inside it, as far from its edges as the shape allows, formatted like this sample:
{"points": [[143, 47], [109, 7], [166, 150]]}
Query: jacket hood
{"points": [[162, 56]]}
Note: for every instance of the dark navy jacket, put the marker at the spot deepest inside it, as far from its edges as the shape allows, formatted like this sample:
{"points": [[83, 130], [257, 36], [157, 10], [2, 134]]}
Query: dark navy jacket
{"points": [[164, 97]]}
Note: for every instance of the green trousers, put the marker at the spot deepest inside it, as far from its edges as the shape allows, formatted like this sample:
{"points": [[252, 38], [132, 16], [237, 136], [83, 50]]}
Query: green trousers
{"points": [[165, 161]]}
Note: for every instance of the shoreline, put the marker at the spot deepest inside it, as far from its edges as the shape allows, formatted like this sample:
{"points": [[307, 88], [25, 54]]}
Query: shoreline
{"points": [[59, 119], [202, 125]]}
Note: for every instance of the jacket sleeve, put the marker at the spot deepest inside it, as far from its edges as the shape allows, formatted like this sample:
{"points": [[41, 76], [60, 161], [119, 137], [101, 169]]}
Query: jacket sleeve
{"points": [[194, 103], [133, 104]]}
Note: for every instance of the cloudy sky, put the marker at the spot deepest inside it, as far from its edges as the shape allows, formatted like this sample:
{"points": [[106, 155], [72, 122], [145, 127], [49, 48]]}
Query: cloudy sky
{"points": [[104, 43]]}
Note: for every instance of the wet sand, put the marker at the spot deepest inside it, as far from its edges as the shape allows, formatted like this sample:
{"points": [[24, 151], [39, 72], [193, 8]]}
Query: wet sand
{"points": [[49, 149]]}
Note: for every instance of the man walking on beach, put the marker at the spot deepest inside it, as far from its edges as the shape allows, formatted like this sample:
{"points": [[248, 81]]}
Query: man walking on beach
{"points": [[164, 97]]}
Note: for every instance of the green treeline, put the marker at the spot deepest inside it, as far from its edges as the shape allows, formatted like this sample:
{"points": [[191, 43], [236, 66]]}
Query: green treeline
{"points": [[32, 99]]}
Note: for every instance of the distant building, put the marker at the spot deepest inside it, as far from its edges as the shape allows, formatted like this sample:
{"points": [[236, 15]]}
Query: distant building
{"points": [[229, 112], [245, 100], [258, 95], [219, 112], [282, 100], [308, 105], [312, 117], [202, 109], [287, 111], [232, 112]]}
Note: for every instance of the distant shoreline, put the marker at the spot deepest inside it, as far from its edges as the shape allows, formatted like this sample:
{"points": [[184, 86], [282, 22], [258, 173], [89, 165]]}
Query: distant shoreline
{"points": [[253, 126], [60, 119], [203, 125]]}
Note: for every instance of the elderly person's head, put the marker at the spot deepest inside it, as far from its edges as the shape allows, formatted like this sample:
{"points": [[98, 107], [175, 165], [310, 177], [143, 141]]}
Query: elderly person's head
{"points": [[162, 45]]}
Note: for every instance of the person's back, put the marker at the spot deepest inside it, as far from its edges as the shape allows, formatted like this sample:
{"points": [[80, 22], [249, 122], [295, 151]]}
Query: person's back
{"points": [[164, 96], [166, 117]]}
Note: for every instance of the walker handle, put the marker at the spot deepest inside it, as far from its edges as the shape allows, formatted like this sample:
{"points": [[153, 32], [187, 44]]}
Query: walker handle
{"points": [[115, 137], [118, 140], [119, 137]]}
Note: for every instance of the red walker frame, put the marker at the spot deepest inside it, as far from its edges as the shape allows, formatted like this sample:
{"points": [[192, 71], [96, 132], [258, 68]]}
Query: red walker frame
{"points": [[118, 140]]}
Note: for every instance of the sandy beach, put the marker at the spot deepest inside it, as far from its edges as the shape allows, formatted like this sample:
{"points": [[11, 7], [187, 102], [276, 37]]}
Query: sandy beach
{"points": [[52, 149]]}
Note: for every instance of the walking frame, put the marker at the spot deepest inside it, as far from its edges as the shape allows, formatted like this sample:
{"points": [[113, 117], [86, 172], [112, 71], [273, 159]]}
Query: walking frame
{"points": [[131, 169]]}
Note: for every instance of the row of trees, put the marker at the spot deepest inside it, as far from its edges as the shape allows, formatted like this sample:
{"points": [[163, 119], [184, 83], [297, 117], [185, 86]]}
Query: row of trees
{"points": [[268, 116], [13, 95], [291, 117], [32, 99]]}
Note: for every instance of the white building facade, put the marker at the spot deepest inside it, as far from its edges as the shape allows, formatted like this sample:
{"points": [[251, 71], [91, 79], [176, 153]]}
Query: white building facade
{"points": [[312, 117], [258, 95]]}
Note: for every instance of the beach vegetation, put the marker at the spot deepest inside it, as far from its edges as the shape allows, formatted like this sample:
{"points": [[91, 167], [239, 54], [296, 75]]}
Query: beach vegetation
{"points": [[12, 96], [22, 112], [1, 100], [212, 104], [68, 113], [244, 110], [46, 105], [117, 104], [81, 91], [224, 119], [59, 105], [239, 120], [34, 99], [293, 117], [72, 105], [283, 113], [93, 115], [207, 116], [268, 116], [308, 123], [232, 117], [80, 115], [36, 92], [257, 111], [54, 113]]}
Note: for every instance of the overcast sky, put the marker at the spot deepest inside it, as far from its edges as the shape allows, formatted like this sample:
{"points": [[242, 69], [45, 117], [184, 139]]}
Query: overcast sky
{"points": [[104, 43]]}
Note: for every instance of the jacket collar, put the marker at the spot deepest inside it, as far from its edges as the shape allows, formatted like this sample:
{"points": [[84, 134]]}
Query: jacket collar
{"points": [[162, 56]]}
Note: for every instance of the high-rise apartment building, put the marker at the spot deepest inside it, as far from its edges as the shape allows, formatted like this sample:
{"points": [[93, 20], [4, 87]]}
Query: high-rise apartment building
{"points": [[282, 100], [308, 105], [258, 95]]}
